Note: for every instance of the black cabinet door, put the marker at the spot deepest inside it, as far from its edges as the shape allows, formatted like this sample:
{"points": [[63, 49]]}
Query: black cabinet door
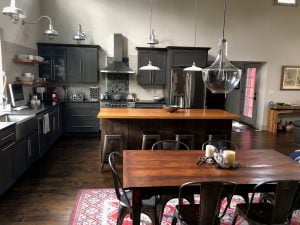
{"points": [[20, 157], [6, 166], [89, 65], [54, 68], [74, 64], [185, 58], [32, 149], [82, 65], [158, 58]]}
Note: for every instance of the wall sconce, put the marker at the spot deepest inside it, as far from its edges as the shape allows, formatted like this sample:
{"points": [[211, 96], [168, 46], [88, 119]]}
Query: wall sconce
{"points": [[50, 31], [80, 35], [14, 12]]}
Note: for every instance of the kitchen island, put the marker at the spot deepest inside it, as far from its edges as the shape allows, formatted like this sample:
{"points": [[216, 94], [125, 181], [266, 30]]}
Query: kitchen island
{"points": [[131, 122]]}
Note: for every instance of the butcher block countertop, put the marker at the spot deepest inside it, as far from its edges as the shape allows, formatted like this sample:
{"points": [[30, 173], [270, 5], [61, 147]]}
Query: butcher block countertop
{"points": [[133, 113]]}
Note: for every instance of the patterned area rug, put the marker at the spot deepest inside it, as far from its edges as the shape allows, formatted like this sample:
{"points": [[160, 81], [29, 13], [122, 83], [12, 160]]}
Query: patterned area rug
{"points": [[100, 207]]}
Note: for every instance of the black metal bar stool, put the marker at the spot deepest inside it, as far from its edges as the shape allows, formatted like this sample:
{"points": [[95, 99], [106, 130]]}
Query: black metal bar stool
{"points": [[108, 146], [185, 137], [149, 138]]}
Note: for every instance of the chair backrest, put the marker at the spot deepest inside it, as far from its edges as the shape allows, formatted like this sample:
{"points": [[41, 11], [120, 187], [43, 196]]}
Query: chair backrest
{"points": [[220, 144], [169, 145], [113, 159], [211, 196], [285, 192]]}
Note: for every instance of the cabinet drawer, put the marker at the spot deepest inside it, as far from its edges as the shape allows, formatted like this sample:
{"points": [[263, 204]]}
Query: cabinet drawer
{"points": [[82, 105], [81, 126], [82, 113], [7, 135]]}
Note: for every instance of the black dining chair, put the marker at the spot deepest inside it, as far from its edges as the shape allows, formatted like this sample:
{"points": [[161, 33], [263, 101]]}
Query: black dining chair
{"points": [[207, 211], [149, 206], [169, 145], [265, 212]]}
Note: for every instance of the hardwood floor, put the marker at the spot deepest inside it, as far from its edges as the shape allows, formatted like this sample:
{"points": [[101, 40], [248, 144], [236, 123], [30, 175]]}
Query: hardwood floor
{"points": [[46, 194]]}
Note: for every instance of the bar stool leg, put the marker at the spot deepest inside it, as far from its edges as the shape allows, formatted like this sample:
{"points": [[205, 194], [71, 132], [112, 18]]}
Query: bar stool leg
{"points": [[104, 152]]}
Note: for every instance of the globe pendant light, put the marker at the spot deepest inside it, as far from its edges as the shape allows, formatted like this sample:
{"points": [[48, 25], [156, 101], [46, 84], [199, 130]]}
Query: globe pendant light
{"points": [[194, 67], [152, 42], [221, 76]]}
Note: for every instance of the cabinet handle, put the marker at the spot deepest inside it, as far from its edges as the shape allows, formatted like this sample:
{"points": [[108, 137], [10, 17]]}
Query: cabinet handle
{"points": [[7, 147], [8, 136], [29, 147], [82, 126], [54, 125]]}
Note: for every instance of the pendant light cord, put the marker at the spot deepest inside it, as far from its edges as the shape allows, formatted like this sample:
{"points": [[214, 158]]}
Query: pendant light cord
{"points": [[195, 35], [150, 17], [224, 19]]}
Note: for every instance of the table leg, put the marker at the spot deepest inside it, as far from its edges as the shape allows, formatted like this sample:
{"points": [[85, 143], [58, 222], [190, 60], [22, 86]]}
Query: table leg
{"points": [[136, 206]]}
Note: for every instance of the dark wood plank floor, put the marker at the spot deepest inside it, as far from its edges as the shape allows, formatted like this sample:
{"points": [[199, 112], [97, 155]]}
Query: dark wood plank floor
{"points": [[46, 194]]}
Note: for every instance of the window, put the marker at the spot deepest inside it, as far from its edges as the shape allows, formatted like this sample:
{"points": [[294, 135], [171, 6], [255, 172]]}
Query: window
{"points": [[285, 2]]}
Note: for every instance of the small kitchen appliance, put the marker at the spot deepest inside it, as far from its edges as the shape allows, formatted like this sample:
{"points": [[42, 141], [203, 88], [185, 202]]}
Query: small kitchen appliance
{"points": [[42, 93]]}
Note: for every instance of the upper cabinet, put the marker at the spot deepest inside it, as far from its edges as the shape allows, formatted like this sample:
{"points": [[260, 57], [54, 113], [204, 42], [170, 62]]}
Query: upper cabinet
{"points": [[82, 64], [68, 63], [185, 56], [158, 57], [54, 68]]}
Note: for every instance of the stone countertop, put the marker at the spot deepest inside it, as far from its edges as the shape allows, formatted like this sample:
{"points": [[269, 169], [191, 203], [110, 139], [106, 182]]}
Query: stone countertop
{"points": [[133, 113]]}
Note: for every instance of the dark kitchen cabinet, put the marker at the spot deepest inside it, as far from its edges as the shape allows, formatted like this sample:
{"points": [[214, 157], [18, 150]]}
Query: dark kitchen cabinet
{"points": [[7, 145], [25, 154], [55, 66], [158, 58], [185, 56], [81, 117], [82, 64], [69, 63], [51, 119]]}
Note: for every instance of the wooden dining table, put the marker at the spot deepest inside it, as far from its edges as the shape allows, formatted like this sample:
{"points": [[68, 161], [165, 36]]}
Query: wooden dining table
{"points": [[149, 173]]}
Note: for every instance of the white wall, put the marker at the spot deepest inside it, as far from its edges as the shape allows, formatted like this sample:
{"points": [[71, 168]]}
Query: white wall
{"points": [[256, 31]]}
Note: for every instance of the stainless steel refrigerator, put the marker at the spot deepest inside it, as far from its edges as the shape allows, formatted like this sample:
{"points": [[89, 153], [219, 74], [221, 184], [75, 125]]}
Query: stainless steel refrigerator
{"points": [[187, 89]]}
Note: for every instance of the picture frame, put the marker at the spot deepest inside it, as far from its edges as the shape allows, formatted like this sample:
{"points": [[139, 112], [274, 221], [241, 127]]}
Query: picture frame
{"points": [[290, 78]]}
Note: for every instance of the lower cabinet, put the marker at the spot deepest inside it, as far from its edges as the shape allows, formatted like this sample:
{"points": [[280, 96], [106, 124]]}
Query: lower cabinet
{"points": [[49, 128], [6, 158], [25, 154], [81, 117]]}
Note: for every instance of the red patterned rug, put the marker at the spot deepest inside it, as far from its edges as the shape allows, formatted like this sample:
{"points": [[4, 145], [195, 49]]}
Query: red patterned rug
{"points": [[100, 207]]}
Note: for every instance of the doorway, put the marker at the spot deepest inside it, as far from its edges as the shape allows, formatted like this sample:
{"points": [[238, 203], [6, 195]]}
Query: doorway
{"points": [[243, 99]]}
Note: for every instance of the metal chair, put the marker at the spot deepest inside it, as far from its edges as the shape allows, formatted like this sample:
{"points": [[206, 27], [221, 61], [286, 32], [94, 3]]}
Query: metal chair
{"points": [[267, 212], [149, 137], [169, 145], [185, 137], [207, 212], [125, 196]]}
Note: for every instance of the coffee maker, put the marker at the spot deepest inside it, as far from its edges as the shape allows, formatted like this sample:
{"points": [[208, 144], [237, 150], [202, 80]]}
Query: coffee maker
{"points": [[42, 93]]}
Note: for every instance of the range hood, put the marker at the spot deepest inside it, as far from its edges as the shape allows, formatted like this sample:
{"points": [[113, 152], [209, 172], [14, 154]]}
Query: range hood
{"points": [[117, 66]]}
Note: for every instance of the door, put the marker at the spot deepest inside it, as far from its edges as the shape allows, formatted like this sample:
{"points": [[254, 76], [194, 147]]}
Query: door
{"points": [[89, 65], [249, 86]]}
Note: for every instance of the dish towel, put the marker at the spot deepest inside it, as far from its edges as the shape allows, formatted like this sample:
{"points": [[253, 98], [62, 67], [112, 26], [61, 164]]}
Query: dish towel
{"points": [[46, 126]]}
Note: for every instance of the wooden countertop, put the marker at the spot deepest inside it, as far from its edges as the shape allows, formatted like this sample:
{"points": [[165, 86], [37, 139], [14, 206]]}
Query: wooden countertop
{"points": [[133, 113]]}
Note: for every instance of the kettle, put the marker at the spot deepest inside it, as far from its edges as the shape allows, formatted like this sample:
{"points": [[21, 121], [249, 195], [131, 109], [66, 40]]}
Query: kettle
{"points": [[104, 96]]}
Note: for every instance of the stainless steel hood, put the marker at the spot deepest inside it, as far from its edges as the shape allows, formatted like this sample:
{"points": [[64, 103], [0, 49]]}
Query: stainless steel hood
{"points": [[117, 66]]}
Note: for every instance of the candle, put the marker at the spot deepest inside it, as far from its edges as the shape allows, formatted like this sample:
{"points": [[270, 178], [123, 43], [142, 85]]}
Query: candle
{"points": [[229, 156], [209, 151]]}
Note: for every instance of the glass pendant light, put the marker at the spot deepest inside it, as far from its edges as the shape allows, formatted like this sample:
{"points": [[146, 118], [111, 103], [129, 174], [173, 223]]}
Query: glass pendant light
{"points": [[194, 67], [221, 76], [152, 42]]}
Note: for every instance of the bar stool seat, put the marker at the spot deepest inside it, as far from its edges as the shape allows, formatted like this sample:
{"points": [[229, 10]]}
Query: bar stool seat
{"points": [[185, 137], [149, 138], [108, 145]]}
